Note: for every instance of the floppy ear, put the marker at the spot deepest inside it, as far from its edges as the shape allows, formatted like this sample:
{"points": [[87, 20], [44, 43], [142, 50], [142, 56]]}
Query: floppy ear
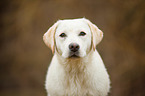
{"points": [[97, 34], [48, 37]]}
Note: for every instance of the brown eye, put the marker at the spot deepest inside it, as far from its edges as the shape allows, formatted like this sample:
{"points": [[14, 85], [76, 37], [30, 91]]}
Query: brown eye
{"points": [[82, 33], [62, 35]]}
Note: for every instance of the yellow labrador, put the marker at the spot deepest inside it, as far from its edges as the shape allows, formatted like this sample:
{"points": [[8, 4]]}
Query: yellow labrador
{"points": [[76, 68]]}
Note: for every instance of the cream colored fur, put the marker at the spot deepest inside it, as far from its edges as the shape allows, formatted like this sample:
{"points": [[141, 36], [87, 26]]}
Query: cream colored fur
{"points": [[85, 75]]}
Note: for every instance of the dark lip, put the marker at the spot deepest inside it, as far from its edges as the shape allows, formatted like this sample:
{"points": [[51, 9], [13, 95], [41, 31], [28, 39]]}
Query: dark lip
{"points": [[74, 56]]}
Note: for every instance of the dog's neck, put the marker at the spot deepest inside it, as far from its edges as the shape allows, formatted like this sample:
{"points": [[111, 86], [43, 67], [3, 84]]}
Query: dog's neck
{"points": [[76, 72], [75, 65]]}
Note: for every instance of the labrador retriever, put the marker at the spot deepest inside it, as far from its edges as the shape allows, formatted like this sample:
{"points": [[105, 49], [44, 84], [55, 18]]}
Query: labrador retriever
{"points": [[76, 68]]}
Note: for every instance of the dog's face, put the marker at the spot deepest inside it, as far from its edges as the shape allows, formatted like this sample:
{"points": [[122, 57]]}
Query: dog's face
{"points": [[73, 38]]}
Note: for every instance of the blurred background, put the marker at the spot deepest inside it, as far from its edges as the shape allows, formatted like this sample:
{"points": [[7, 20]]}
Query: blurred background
{"points": [[24, 58]]}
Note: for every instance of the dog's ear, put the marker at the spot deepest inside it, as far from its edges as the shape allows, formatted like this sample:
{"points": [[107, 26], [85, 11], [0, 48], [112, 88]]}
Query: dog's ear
{"points": [[49, 36], [97, 34]]}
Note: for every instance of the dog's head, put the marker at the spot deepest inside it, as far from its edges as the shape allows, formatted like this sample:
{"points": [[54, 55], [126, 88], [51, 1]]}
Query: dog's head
{"points": [[73, 37]]}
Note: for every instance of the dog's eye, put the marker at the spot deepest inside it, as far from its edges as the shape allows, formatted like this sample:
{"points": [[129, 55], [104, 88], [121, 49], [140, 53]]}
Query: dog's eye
{"points": [[62, 35], [82, 33]]}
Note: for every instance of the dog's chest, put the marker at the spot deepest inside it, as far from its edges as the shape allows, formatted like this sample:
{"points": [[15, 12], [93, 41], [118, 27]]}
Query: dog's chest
{"points": [[77, 84]]}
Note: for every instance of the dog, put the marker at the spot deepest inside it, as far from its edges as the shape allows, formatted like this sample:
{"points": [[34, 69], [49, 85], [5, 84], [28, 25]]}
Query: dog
{"points": [[76, 68]]}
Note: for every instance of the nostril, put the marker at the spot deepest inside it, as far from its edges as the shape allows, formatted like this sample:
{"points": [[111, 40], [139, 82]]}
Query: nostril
{"points": [[71, 46], [77, 47], [74, 47]]}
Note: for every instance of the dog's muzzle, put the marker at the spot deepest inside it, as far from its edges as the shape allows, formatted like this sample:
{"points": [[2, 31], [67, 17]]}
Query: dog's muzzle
{"points": [[74, 50]]}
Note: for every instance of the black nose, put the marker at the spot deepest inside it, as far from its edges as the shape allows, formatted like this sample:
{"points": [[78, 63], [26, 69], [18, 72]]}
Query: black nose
{"points": [[74, 47]]}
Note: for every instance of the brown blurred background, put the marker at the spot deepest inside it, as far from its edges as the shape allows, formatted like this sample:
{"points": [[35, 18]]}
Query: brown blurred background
{"points": [[24, 58]]}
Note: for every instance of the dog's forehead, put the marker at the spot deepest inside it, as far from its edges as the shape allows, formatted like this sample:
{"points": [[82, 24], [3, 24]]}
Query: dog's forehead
{"points": [[75, 24]]}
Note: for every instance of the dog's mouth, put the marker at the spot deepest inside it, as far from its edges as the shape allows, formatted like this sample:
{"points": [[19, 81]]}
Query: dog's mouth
{"points": [[74, 55]]}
